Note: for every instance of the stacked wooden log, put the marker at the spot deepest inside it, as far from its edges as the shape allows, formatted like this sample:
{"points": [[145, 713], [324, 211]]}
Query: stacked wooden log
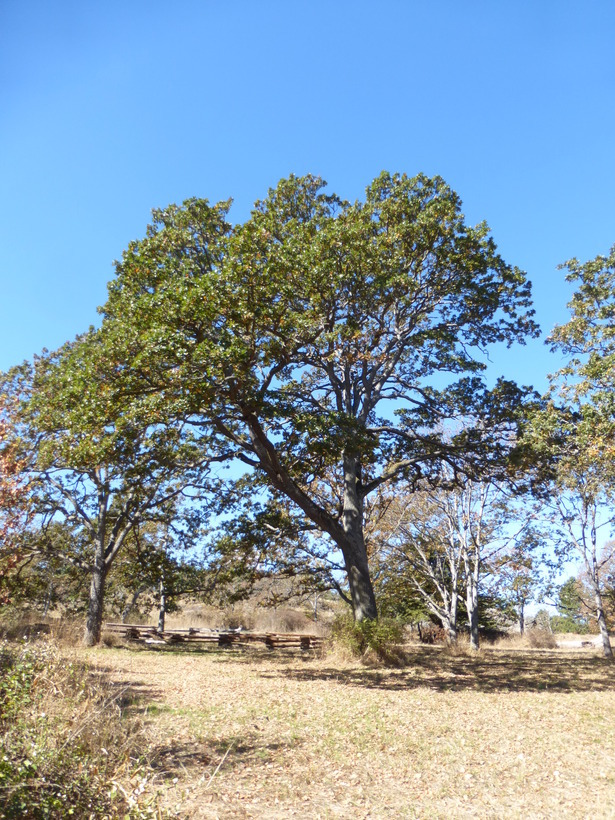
{"points": [[288, 640], [221, 638]]}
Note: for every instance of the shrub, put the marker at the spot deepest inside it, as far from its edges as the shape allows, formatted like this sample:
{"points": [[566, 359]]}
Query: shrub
{"points": [[431, 633], [290, 620], [66, 743], [236, 617], [541, 638], [19, 626], [112, 640], [370, 640]]}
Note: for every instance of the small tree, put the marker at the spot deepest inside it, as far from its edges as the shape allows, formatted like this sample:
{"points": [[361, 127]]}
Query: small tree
{"points": [[91, 466], [419, 556], [524, 571], [52, 572], [472, 540], [583, 435], [542, 620], [607, 561], [582, 493], [570, 617]]}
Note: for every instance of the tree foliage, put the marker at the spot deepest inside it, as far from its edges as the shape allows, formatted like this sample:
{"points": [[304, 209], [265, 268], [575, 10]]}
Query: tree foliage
{"points": [[578, 425], [311, 340], [570, 616], [588, 338], [582, 493], [92, 467], [14, 504]]}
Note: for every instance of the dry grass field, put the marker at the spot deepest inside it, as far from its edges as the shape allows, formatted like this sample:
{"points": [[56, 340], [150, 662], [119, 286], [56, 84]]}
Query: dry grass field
{"points": [[505, 734]]}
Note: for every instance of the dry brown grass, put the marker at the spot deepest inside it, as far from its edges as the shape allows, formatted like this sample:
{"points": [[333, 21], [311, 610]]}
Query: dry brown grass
{"points": [[67, 631], [498, 734], [257, 619]]}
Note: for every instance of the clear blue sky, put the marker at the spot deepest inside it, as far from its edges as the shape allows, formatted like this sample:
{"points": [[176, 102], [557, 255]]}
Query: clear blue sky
{"points": [[110, 109]]}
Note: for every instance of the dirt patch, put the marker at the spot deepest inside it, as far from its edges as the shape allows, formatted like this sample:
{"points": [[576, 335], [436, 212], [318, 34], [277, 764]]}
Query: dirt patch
{"points": [[523, 734]]}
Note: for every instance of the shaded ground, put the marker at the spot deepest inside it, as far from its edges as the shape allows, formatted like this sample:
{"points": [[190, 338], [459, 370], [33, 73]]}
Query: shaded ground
{"points": [[523, 734]]}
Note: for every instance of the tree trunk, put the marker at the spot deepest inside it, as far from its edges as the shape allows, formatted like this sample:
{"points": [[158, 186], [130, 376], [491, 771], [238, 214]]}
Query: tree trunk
{"points": [[48, 599], [132, 603], [93, 624], [521, 619], [452, 629], [449, 619], [604, 632], [451, 632], [471, 563], [315, 607], [349, 538], [162, 608], [472, 607], [361, 589], [354, 550], [474, 636]]}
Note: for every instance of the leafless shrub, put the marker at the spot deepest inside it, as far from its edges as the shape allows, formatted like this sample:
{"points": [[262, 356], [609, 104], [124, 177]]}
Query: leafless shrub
{"points": [[431, 633], [112, 639], [541, 639], [238, 617]]}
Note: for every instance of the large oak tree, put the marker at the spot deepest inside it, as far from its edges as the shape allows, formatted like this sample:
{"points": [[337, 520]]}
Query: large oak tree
{"points": [[322, 338]]}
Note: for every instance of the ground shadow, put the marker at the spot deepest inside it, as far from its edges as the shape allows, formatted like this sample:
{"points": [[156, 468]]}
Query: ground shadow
{"points": [[133, 697], [205, 757], [176, 758], [239, 653], [491, 671]]}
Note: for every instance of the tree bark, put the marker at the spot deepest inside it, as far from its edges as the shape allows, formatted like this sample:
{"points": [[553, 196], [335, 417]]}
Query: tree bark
{"points": [[162, 607], [604, 632], [451, 630], [473, 623], [452, 627], [93, 624], [361, 589], [472, 607], [354, 550], [447, 615]]}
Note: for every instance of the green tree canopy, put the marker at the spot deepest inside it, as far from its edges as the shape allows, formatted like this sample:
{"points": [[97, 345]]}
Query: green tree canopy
{"points": [[589, 336], [92, 466], [570, 617], [575, 430], [322, 338]]}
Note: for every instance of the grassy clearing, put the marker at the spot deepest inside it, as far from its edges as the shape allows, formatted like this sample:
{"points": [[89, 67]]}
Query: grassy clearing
{"points": [[503, 734]]}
